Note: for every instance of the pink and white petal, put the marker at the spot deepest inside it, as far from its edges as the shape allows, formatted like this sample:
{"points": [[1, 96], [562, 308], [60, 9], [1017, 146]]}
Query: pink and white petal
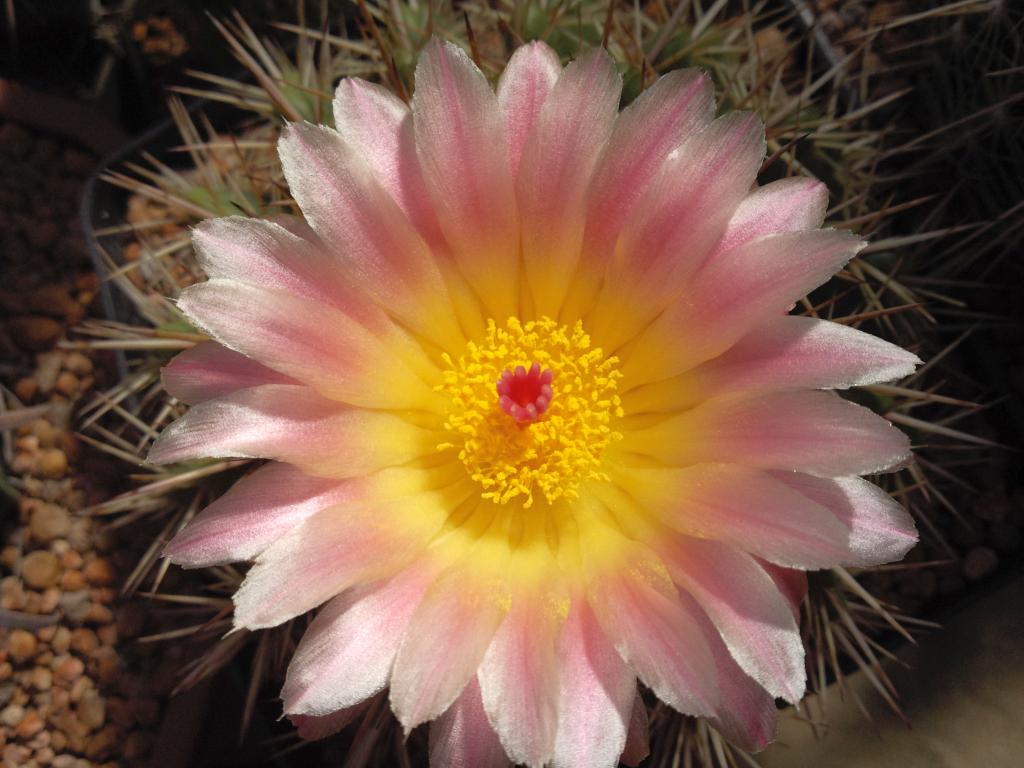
{"points": [[658, 636], [743, 507], [519, 679], [523, 88], [293, 424], [880, 530], [335, 549], [557, 163], [257, 511], [346, 654], [268, 254], [313, 728], [678, 105], [638, 738], [210, 370], [680, 218], [746, 607], [804, 352], [317, 344], [746, 714], [804, 431], [378, 125], [786, 205], [460, 614], [365, 229], [463, 738], [459, 137], [792, 583], [596, 695], [785, 352], [733, 294]]}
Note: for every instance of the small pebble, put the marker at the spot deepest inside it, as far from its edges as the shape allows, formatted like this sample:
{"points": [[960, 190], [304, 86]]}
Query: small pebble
{"points": [[11, 715], [72, 581], [979, 563], [40, 569], [21, 645], [51, 463], [49, 522], [34, 332], [42, 679], [100, 572], [68, 668], [92, 711], [30, 725], [83, 641]]}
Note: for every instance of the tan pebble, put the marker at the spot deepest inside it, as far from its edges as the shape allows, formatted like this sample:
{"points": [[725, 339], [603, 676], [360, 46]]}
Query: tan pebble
{"points": [[6, 670], [26, 389], [58, 741], [45, 755], [107, 634], [51, 299], [61, 640], [33, 332], [49, 600], [79, 688], [101, 744], [60, 699], [137, 744], [46, 657], [45, 634], [33, 602], [78, 363], [26, 446], [68, 668], [51, 463], [80, 537], [24, 462], [92, 710], [67, 384], [10, 556], [11, 715], [12, 594], [45, 432], [70, 558], [63, 761], [42, 679], [98, 614], [21, 645], [84, 641], [16, 756], [72, 581], [100, 572], [40, 569], [106, 663], [30, 725], [49, 522]]}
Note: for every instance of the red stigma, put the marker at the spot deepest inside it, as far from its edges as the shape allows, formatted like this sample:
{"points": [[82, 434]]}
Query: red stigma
{"points": [[525, 395]]}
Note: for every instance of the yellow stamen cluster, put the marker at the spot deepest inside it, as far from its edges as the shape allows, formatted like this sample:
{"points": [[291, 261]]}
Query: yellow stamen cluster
{"points": [[564, 446]]}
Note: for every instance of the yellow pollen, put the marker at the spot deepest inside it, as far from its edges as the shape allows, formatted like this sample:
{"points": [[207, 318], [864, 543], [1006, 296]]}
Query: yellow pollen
{"points": [[513, 460]]}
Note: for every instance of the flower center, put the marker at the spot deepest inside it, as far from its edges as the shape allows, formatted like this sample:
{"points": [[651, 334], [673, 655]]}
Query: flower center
{"points": [[551, 420], [525, 395]]}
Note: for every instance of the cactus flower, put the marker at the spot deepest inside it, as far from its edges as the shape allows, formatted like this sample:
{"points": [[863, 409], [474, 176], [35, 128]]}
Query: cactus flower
{"points": [[537, 422]]}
